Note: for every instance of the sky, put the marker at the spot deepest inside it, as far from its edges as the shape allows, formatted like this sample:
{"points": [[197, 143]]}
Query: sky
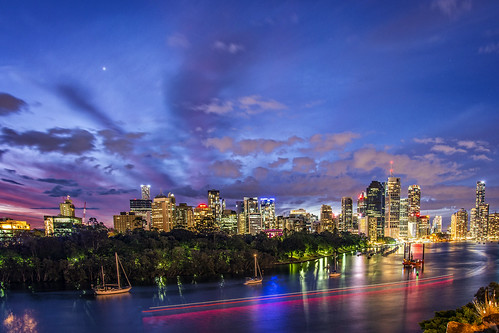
{"points": [[304, 101]]}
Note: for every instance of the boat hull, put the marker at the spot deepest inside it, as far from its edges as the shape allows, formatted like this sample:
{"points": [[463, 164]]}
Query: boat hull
{"points": [[112, 291], [253, 281]]}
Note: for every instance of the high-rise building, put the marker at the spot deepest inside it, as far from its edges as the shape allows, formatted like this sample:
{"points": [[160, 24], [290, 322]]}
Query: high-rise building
{"points": [[145, 190], [346, 223], [326, 218], [163, 212], [437, 224], [474, 223], [362, 205], [67, 208], [184, 216], [252, 216], [267, 210], [142, 207], [483, 221], [480, 193], [215, 205], [459, 224], [229, 221], [494, 226], [404, 218], [376, 208], [392, 207], [414, 196], [127, 221], [480, 215]]}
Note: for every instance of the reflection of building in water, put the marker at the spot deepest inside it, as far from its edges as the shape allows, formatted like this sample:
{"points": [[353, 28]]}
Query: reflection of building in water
{"points": [[24, 323]]}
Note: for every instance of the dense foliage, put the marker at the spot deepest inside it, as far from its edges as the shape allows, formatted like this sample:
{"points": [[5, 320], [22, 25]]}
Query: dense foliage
{"points": [[465, 314], [150, 257]]}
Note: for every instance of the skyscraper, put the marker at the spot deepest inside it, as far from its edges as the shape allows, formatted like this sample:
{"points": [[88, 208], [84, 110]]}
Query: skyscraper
{"points": [[267, 210], [163, 212], [375, 209], [437, 224], [215, 205], [326, 218], [392, 207], [145, 190], [346, 214], [459, 224], [252, 216], [480, 215], [480, 193], [414, 193], [404, 218]]}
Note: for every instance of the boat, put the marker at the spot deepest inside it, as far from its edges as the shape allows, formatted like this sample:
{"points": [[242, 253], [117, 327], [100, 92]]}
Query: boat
{"points": [[334, 273], [412, 262], [257, 278], [113, 288]]}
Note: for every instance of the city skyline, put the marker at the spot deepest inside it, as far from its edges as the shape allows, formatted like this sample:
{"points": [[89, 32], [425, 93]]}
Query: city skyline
{"points": [[307, 104]]}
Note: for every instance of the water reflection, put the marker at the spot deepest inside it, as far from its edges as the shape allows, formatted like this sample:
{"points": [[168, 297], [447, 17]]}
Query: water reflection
{"points": [[20, 323]]}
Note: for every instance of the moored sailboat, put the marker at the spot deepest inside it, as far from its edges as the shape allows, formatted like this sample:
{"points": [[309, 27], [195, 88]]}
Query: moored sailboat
{"points": [[113, 288], [334, 273], [257, 278]]}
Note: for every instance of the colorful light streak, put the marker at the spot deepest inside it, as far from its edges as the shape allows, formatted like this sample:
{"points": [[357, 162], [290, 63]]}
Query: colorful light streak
{"points": [[408, 284]]}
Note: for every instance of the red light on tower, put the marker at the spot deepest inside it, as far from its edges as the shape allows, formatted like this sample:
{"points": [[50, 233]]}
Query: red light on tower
{"points": [[202, 205]]}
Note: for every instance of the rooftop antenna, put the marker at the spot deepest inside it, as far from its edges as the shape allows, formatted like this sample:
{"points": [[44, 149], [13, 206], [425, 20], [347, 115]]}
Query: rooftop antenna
{"points": [[391, 168]]}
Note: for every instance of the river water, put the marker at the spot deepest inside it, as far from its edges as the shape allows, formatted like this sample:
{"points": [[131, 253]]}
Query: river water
{"points": [[371, 295]]}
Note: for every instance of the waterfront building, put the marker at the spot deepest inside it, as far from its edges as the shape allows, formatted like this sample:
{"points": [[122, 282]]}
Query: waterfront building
{"points": [[424, 227], [214, 203], [376, 208], [480, 193], [326, 220], [473, 223], [267, 210], [494, 226], [414, 197], [67, 208], [184, 216], [145, 191], [127, 221], [404, 218], [482, 221], [459, 225], [437, 224], [346, 222], [9, 228], [163, 212], [392, 207]]}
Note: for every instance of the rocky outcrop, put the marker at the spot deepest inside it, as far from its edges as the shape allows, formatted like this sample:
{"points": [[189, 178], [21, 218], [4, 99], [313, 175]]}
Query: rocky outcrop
{"points": [[490, 325]]}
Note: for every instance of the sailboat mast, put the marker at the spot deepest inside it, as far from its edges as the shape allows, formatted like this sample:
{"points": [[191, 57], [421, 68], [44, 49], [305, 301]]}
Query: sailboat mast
{"points": [[256, 273], [117, 269]]}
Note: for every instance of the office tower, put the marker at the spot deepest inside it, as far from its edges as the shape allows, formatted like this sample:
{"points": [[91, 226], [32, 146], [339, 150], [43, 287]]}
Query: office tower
{"points": [[392, 207], [473, 223], [127, 221], [252, 216], [327, 218], [493, 226], [215, 205], [143, 208], [480, 214], [424, 227], [145, 190], [437, 224], [346, 223], [184, 216], [204, 221], [228, 222], [482, 221], [414, 193], [404, 218], [67, 208], [375, 209], [361, 205], [239, 207], [459, 224], [267, 210], [480, 193], [9, 228], [163, 212]]}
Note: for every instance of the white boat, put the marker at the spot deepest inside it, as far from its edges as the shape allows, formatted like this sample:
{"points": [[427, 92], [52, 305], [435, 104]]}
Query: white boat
{"points": [[257, 278], [113, 288]]}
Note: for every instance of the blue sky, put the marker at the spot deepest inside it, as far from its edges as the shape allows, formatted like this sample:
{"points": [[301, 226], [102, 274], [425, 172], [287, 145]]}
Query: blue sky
{"points": [[307, 102]]}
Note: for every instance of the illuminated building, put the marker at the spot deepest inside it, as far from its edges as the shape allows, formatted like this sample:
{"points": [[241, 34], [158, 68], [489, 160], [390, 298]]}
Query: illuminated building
{"points": [[9, 227], [362, 205], [228, 222], [127, 221], [480, 193], [67, 208], [143, 208], [482, 219], [252, 216], [215, 205], [346, 223], [404, 218], [145, 191], [414, 198], [473, 223], [184, 216], [203, 218], [267, 210], [376, 208], [437, 224], [459, 224], [392, 207], [163, 212], [424, 227], [326, 218], [60, 225], [494, 226]]}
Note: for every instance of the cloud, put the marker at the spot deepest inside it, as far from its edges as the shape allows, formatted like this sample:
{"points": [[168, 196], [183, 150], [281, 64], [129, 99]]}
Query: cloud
{"points": [[118, 142], [10, 104], [232, 48], [327, 142], [436, 140], [226, 169], [216, 107], [178, 41], [11, 171], [447, 150], [129, 166], [66, 141], [280, 162], [304, 164], [59, 191], [222, 144], [249, 146], [2, 152], [115, 191], [452, 8], [476, 145], [64, 182], [489, 48], [480, 157], [255, 104], [11, 181]]}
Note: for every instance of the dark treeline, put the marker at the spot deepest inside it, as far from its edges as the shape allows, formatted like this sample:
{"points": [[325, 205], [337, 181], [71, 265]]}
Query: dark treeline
{"points": [[151, 257]]}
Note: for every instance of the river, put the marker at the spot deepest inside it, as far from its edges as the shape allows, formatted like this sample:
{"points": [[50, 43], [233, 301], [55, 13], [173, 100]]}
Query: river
{"points": [[371, 295]]}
